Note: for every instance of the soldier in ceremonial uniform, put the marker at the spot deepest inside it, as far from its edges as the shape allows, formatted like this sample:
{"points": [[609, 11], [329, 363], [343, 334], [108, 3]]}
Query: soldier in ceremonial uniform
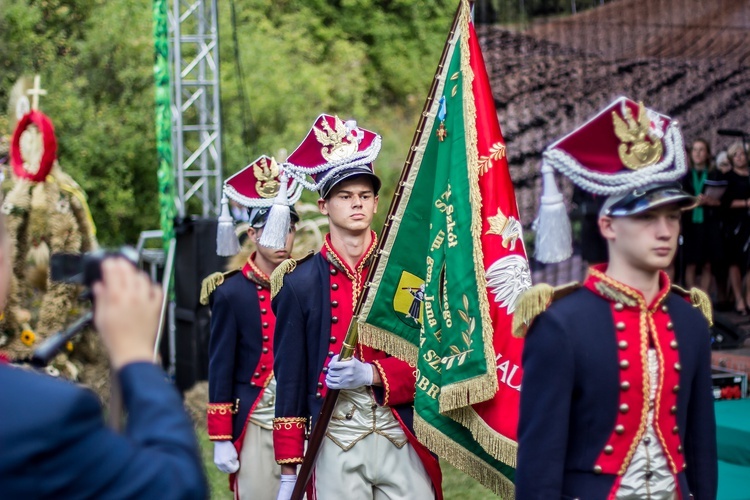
{"points": [[242, 389], [370, 450], [616, 398]]}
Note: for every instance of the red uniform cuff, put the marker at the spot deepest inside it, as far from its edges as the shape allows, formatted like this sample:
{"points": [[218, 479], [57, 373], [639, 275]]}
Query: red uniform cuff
{"points": [[219, 420], [289, 439], [399, 381]]}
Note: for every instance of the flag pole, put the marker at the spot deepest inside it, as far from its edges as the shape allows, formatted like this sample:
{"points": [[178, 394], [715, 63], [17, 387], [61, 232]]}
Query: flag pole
{"points": [[350, 342]]}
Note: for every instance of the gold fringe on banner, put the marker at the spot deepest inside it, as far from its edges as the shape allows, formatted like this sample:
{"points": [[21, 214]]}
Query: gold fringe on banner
{"points": [[494, 443], [377, 338], [463, 459]]}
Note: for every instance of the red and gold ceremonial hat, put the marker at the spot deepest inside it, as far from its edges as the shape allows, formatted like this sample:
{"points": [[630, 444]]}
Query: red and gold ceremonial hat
{"points": [[33, 150], [263, 188], [627, 152], [332, 151], [259, 183]]}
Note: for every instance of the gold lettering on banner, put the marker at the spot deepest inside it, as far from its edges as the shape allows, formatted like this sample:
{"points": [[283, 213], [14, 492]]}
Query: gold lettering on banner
{"points": [[447, 208], [429, 313], [433, 359], [447, 317], [507, 372], [438, 241], [433, 391], [424, 384]]}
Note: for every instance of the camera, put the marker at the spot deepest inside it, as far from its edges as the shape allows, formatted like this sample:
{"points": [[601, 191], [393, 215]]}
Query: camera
{"points": [[85, 269]]}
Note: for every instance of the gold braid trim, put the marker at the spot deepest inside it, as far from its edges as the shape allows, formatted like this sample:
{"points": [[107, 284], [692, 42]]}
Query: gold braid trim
{"points": [[659, 393], [535, 301], [446, 448], [700, 301], [212, 282], [288, 423], [286, 267], [223, 408], [384, 380], [645, 323], [290, 461]]}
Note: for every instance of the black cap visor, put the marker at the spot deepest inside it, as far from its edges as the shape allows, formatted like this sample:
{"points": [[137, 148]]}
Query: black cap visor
{"points": [[641, 200], [259, 216], [349, 173]]}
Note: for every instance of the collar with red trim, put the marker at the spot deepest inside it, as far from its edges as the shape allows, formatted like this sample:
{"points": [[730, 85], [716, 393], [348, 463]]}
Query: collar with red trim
{"points": [[609, 288], [332, 256], [254, 274]]}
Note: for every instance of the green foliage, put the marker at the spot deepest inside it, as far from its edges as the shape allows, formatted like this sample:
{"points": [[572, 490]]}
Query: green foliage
{"points": [[95, 59], [372, 60]]}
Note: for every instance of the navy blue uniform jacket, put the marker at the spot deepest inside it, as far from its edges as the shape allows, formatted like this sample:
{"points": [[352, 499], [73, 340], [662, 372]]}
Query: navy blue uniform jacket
{"points": [[237, 343], [54, 444], [571, 398]]}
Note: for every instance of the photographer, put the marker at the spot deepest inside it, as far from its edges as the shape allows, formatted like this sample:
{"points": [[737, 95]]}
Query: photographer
{"points": [[53, 441]]}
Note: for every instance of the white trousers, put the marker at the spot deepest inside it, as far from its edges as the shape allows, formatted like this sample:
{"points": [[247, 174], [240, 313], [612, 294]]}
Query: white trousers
{"points": [[259, 474], [374, 468]]}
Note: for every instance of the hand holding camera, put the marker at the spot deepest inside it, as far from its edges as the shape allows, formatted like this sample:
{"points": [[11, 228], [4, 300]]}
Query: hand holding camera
{"points": [[126, 311]]}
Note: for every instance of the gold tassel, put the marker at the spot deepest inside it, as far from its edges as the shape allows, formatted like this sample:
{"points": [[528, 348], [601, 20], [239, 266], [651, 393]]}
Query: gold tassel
{"points": [[700, 301], [531, 304], [210, 284]]}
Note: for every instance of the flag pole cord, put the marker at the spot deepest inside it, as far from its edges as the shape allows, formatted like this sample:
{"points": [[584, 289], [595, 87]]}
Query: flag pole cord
{"points": [[350, 342]]}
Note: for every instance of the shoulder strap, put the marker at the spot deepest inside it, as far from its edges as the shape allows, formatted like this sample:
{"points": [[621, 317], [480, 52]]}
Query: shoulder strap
{"points": [[699, 299], [535, 301], [286, 267], [212, 282]]}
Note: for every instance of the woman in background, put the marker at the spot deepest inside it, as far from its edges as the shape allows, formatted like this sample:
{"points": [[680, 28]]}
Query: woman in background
{"points": [[696, 223], [736, 201]]}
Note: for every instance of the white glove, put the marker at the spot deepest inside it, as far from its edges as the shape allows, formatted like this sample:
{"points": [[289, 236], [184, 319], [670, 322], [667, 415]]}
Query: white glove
{"points": [[286, 487], [225, 457], [350, 374]]}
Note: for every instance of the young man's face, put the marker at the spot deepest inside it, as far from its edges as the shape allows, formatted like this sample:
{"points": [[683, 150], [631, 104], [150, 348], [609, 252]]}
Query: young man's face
{"points": [[273, 256], [646, 241], [350, 205]]}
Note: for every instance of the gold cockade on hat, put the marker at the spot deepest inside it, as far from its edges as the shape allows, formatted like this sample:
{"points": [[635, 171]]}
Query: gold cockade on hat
{"points": [[337, 144], [639, 147], [266, 172]]}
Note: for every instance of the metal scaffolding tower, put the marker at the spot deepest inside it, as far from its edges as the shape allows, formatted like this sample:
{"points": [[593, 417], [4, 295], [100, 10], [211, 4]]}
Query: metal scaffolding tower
{"points": [[196, 109]]}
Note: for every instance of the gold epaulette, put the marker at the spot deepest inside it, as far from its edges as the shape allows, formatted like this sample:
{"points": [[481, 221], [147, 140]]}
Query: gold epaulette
{"points": [[212, 282], [700, 301], [286, 267], [535, 301]]}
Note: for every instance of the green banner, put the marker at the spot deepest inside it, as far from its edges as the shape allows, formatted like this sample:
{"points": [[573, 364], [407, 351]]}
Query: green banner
{"points": [[428, 300]]}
